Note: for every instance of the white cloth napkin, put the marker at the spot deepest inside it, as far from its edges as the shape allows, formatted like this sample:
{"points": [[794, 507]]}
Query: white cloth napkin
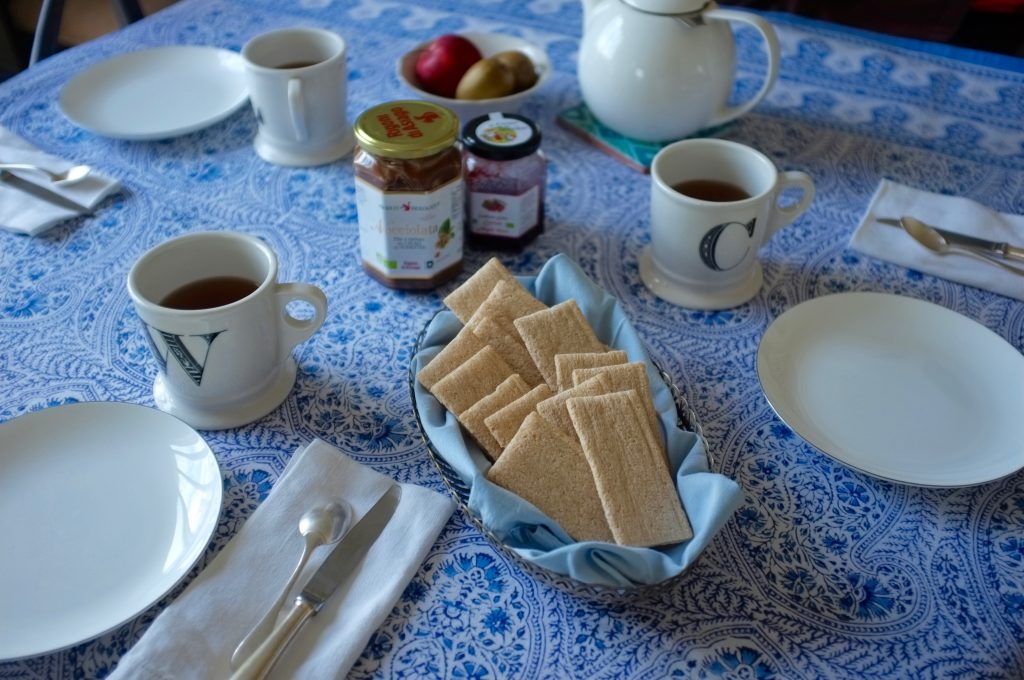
{"points": [[952, 213], [26, 214], [195, 636]]}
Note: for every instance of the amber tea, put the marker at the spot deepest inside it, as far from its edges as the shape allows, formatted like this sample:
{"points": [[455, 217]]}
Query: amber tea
{"points": [[213, 291], [711, 190]]}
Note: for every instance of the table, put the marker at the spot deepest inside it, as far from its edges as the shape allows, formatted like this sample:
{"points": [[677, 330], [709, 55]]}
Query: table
{"points": [[824, 572]]}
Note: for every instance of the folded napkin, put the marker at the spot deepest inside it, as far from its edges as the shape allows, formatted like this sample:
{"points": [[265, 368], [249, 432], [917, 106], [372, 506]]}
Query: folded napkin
{"points": [[709, 498], [195, 636], [26, 214], [952, 213]]}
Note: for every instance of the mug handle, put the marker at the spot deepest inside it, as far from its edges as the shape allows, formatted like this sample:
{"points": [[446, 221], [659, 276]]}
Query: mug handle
{"points": [[783, 216], [295, 330], [771, 44], [298, 109]]}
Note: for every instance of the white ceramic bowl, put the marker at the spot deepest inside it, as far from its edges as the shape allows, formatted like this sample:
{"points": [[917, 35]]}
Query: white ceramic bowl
{"points": [[489, 44]]}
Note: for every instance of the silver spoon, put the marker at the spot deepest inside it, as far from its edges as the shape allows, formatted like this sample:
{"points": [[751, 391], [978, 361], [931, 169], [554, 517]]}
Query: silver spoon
{"points": [[933, 241], [73, 174], [322, 525]]}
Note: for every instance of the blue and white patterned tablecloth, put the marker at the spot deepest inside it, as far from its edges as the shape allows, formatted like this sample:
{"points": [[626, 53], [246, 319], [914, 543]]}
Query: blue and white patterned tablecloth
{"points": [[823, 572]]}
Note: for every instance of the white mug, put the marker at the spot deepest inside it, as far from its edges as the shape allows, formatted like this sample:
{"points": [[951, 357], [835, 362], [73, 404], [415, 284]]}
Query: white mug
{"points": [[217, 321], [703, 251], [297, 87]]}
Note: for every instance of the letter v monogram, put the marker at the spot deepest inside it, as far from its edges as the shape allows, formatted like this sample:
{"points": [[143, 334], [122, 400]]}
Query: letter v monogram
{"points": [[193, 368]]}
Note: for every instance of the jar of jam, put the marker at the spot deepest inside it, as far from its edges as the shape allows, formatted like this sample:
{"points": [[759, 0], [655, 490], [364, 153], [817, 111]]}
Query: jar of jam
{"points": [[410, 196], [505, 177]]}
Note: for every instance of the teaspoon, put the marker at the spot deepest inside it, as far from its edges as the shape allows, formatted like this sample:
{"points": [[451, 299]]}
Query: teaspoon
{"points": [[73, 174], [322, 525], [933, 241]]}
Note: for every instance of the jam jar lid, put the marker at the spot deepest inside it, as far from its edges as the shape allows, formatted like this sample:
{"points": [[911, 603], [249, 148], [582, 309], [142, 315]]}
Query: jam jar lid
{"points": [[406, 129], [501, 136]]}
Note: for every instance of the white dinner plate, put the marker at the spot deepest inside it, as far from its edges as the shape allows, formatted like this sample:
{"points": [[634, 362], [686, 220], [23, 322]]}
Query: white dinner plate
{"points": [[156, 93], [104, 507], [899, 388]]}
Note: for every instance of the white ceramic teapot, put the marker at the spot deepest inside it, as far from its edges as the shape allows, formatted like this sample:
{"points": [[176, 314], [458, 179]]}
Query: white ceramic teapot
{"points": [[658, 70]]}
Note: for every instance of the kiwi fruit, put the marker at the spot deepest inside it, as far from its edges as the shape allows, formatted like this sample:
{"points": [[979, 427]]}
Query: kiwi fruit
{"points": [[521, 66], [486, 79]]}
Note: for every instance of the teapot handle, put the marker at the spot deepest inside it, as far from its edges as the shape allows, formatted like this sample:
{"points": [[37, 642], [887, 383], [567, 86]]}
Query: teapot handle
{"points": [[771, 43]]}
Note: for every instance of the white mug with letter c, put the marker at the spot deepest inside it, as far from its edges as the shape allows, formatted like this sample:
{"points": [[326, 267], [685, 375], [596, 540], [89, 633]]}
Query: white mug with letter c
{"points": [[218, 324], [714, 203], [297, 87]]}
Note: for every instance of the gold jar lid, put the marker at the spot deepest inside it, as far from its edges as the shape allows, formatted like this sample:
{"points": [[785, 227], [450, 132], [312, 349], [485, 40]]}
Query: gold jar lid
{"points": [[406, 129]]}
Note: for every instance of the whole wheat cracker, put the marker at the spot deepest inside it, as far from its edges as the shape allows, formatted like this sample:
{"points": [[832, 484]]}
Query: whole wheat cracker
{"points": [[506, 303], [555, 412], [565, 364], [637, 492], [465, 299], [472, 381], [510, 347], [631, 376], [473, 418], [505, 422], [546, 468], [561, 329], [454, 354]]}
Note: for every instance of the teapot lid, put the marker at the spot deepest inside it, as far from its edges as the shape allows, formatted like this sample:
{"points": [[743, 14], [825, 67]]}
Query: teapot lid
{"points": [[668, 6]]}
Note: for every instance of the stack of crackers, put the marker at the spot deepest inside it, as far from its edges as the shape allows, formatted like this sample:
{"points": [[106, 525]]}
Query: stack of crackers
{"points": [[569, 424]]}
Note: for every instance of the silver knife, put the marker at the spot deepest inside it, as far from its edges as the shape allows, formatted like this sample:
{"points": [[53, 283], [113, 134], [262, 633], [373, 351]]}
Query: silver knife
{"points": [[42, 193], [336, 569], [997, 248]]}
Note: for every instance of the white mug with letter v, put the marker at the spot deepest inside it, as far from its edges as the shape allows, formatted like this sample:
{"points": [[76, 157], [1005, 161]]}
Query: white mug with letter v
{"points": [[297, 87], [218, 324], [714, 203]]}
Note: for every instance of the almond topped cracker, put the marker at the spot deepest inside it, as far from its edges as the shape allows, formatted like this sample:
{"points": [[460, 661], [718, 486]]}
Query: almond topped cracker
{"points": [[631, 376], [454, 354], [509, 347], [465, 299], [637, 491], [555, 412], [505, 422], [472, 381], [473, 418], [546, 468], [565, 364], [561, 329]]}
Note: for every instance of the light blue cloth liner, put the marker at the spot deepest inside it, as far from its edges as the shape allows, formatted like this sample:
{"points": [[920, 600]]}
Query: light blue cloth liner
{"points": [[709, 498]]}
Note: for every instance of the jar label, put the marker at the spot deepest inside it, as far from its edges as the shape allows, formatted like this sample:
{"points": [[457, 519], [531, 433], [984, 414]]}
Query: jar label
{"points": [[504, 215], [501, 131], [410, 235]]}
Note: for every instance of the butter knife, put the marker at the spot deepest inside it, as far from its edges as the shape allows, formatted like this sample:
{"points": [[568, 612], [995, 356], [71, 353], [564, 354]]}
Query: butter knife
{"points": [[980, 245], [335, 570], [42, 193]]}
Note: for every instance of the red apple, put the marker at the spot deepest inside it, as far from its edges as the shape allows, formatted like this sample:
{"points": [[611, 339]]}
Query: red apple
{"points": [[444, 61]]}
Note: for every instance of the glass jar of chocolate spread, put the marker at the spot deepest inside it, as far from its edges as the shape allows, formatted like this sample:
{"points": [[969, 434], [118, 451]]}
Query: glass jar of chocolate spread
{"points": [[505, 176], [409, 194]]}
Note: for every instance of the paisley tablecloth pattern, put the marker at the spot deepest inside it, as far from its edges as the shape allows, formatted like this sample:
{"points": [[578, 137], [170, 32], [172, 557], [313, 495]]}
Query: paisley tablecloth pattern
{"points": [[824, 572]]}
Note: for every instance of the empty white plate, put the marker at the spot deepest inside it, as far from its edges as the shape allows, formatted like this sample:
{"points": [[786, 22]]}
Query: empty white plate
{"points": [[104, 507], [156, 93], [899, 388]]}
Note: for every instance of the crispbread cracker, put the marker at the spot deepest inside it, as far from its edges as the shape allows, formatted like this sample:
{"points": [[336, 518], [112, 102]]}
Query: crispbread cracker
{"points": [[640, 500], [510, 347], [454, 354], [506, 303], [561, 329], [472, 381], [548, 469], [565, 364], [632, 376], [555, 412], [473, 418], [505, 422], [464, 300]]}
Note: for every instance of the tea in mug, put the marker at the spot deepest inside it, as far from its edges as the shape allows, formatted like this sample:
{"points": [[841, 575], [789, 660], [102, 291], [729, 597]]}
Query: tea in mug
{"points": [[711, 190], [213, 291]]}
